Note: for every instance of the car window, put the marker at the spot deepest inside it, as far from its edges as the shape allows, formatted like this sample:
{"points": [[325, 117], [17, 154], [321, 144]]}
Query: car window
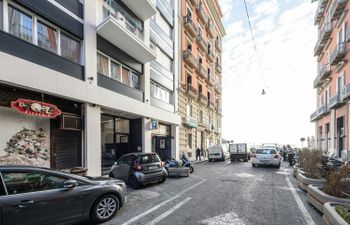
{"points": [[2, 188], [24, 182], [265, 151], [152, 158], [124, 160]]}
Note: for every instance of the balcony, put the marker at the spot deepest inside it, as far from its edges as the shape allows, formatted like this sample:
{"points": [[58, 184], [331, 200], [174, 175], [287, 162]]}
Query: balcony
{"points": [[210, 80], [346, 92], [314, 116], [317, 82], [209, 127], [210, 56], [218, 45], [201, 71], [201, 13], [142, 9], [211, 105], [193, 2], [338, 53], [322, 110], [191, 91], [337, 9], [318, 48], [190, 59], [335, 101], [218, 67], [324, 34], [319, 14], [202, 99], [324, 71], [116, 29], [210, 29], [190, 121], [201, 42], [218, 88], [190, 26]]}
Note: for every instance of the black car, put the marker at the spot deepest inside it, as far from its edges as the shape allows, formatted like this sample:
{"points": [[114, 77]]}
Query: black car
{"points": [[33, 196], [138, 169]]}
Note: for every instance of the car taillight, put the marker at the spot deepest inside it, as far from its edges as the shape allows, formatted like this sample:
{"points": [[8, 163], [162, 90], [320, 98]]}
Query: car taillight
{"points": [[137, 167], [276, 157]]}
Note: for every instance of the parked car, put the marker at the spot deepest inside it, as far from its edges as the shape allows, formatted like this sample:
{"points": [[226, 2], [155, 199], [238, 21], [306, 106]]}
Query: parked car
{"points": [[266, 156], [218, 153], [138, 169], [32, 196]]}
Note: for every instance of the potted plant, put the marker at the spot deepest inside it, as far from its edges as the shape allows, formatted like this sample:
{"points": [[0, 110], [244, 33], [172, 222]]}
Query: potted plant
{"points": [[335, 189], [298, 167], [311, 162], [336, 213]]}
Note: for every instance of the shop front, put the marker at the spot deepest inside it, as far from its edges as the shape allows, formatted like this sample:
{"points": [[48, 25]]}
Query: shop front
{"points": [[39, 129], [162, 141]]}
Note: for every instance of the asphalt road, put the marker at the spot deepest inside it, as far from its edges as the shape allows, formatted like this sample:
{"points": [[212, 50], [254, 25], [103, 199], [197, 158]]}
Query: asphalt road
{"points": [[221, 193]]}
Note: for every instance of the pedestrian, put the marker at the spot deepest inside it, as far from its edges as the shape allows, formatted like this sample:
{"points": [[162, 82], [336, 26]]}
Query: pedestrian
{"points": [[198, 154]]}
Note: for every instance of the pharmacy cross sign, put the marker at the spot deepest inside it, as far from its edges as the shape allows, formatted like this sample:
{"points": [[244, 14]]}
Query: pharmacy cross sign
{"points": [[36, 108]]}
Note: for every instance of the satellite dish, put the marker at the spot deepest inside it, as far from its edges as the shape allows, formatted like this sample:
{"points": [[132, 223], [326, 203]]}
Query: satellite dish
{"points": [[263, 92]]}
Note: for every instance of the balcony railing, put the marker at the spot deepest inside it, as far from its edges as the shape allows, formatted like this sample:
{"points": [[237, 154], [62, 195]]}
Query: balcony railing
{"points": [[325, 70], [325, 33], [201, 71], [190, 121], [210, 29], [317, 82], [190, 59], [218, 88], [210, 80], [338, 53], [346, 92], [190, 26], [337, 9], [202, 99], [193, 2], [211, 104], [335, 101], [319, 14], [191, 91], [201, 13], [218, 67], [323, 110], [210, 55], [201, 42], [314, 116]]}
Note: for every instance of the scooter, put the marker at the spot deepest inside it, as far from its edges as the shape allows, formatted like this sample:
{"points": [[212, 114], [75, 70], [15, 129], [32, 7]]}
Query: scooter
{"points": [[291, 158], [186, 162]]}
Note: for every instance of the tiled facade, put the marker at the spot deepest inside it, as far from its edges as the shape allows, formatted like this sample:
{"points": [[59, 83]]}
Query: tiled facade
{"points": [[200, 82], [332, 82]]}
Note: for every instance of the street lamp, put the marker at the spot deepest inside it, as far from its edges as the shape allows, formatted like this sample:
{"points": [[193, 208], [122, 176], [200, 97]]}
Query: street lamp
{"points": [[302, 142]]}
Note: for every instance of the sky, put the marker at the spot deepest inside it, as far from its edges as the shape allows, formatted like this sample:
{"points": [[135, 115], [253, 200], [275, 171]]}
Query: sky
{"points": [[285, 37]]}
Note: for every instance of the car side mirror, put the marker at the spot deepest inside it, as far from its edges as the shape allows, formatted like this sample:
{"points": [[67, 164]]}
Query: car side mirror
{"points": [[70, 183]]}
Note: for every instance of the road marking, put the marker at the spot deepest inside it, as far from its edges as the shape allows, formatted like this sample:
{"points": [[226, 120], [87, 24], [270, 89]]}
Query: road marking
{"points": [[228, 162], [224, 219], [244, 175], [170, 211], [145, 213], [300, 204]]}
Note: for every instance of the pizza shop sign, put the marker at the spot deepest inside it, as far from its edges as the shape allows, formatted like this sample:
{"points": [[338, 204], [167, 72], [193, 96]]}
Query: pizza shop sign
{"points": [[35, 108]]}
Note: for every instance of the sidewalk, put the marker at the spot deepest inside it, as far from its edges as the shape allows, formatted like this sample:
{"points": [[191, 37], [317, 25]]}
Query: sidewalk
{"points": [[198, 161]]}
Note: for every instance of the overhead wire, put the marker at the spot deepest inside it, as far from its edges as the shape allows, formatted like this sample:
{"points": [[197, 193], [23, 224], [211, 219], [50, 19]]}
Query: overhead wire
{"points": [[255, 48]]}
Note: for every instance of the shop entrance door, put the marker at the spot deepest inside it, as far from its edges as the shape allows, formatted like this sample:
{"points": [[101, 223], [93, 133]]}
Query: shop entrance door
{"points": [[163, 146]]}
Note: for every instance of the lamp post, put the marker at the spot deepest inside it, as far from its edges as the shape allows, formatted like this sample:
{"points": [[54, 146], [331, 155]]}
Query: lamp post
{"points": [[302, 143]]}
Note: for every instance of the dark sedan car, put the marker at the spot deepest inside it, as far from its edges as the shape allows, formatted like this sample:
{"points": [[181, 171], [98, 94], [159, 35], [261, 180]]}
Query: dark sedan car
{"points": [[138, 169], [33, 196]]}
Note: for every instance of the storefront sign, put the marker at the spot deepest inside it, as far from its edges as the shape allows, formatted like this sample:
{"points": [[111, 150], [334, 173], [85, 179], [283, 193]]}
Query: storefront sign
{"points": [[35, 108], [154, 124]]}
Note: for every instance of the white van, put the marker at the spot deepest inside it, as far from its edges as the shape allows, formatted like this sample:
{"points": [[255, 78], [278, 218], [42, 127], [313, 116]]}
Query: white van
{"points": [[218, 152]]}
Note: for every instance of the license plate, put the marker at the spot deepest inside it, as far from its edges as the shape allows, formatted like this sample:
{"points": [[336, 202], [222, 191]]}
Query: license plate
{"points": [[152, 167]]}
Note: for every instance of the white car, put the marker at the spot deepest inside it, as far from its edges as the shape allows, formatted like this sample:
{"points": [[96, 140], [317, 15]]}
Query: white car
{"points": [[266, 156]]}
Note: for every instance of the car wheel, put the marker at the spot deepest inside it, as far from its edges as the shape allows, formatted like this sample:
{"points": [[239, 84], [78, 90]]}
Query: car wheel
{"points": [[253, 165], [104, 208], [162, 180], [209, 160], [191, 169], [134, 182]]}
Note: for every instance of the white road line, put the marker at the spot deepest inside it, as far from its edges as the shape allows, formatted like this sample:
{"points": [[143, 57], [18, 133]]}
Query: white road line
{"points": [[300, 204], [228, 162], [145, 213], [170, 211]]}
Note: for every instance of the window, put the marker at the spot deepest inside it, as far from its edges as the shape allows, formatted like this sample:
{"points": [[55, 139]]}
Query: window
{"points": [[189, 46], [70, 48], [1, 26], [20, 24], [200, 116], [47, 37], [200, 88], [188, 110], [189, 140], [160, 93], [102, 64], [189, 12], [124, 160], [134, 82], [189, 79], [25, 182], [125, 76], [150, 158], [115, 71]]}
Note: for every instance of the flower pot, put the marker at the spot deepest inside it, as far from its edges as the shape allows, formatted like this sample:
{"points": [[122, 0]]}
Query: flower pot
{"points": [[317, 198], [330, 216], [304, 181]]}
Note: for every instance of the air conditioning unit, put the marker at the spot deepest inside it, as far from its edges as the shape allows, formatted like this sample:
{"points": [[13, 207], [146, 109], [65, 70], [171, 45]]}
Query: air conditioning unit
{"points": [[70, 122]]}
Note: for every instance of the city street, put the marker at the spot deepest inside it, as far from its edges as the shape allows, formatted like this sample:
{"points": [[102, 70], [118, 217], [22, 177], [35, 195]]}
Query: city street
{"points": [[220, 193]]}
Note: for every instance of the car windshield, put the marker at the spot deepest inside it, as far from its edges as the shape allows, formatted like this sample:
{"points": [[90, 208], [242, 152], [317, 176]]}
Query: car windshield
{"points": [[144, 159], [265, 151]]}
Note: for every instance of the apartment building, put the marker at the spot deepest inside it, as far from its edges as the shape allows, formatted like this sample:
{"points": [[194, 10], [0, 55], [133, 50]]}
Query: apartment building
{"points": [[84, 82], [200, 91], [332, 82]]}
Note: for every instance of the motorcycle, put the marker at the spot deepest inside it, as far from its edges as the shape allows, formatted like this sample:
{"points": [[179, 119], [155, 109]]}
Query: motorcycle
{"points": [[185, 162], [291, 158]]}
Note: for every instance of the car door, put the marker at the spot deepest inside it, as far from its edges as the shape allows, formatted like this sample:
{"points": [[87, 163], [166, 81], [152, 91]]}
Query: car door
{"points": [[36, 197], [123, 168]]}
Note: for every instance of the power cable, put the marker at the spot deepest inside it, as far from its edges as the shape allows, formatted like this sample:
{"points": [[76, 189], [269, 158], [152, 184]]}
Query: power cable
{"points": [[255, 48]]}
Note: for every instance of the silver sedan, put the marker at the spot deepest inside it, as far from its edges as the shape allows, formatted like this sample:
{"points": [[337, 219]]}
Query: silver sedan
{"points": [[266, 156]]}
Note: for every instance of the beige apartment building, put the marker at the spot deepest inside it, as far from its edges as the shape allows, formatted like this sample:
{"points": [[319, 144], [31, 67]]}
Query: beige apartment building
{"points": [[200, 74]]}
